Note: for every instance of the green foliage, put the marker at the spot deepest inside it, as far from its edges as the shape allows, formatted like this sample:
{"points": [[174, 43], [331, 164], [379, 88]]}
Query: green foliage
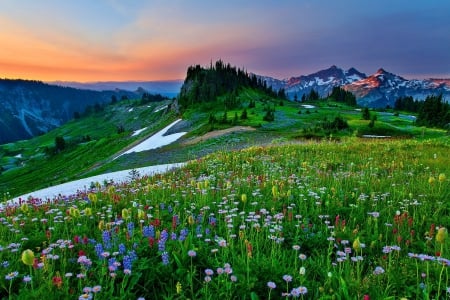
{"points": [[338, 94], [365, 113], [60, 143], [434, 112]]}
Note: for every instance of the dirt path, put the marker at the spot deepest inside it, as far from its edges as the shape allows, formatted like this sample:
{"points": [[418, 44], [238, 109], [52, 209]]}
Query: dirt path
{"points": [[217, 133]]}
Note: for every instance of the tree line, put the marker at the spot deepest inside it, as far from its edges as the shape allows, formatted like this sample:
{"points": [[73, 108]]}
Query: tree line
{"points": [[205, 85], [433, 112]]}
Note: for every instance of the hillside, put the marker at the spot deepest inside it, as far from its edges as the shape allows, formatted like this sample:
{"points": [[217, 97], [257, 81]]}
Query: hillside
{"points": [[31, 108], [221, 107]]}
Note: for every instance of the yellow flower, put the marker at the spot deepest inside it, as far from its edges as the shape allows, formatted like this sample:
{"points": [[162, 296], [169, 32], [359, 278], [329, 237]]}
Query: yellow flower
{"points": [[74, 212], [28, 257], [356, 244], [431, 180], [179, 287], [141, 214], [275, 191], [24, 208], [92, 197], [191, 220], [441, 235], [244, 198], [126, 214], [101, 225], [88, 211], [442, 177]]}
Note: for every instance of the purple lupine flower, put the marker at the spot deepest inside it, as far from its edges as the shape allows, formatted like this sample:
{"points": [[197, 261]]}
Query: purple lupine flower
{"points": [[148, 231], [130, 228], [106, 237], [122, 249], [183, 234], [99, 250], [127, 262], [165, 258]]}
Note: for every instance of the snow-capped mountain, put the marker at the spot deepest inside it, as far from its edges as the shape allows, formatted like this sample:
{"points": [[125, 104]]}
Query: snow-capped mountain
{"points": [[378, 90], [383, 88], [322, 81]]}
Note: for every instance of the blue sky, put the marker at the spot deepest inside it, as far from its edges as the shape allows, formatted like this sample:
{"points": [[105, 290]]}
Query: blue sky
{"points": [[102, 40]]}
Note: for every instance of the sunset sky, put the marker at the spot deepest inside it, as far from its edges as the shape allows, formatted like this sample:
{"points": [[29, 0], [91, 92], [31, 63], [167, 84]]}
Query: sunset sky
{"points": [[118, 40]]}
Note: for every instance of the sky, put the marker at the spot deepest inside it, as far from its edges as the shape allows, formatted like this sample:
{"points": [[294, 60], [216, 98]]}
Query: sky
{"points": [[146, 40]]}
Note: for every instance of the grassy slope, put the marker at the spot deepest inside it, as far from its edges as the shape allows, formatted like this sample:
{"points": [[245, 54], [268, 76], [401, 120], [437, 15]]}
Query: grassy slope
{"points": [[94, 157]]}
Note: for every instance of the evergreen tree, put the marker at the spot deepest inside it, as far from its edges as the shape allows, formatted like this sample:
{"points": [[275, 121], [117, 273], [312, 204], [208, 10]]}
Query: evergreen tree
{"points": [[365, 113]]}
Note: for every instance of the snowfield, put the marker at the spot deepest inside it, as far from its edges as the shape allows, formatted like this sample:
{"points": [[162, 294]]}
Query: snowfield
{"points": [[157, 140], [83, 185]]}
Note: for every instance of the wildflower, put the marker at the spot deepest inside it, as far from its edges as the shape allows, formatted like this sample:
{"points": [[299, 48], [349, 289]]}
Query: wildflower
{"points": [[96, 289], [302, 290], [302, 271], [302, 256], [296, 247], [126, 213], [28, 257], [441, 235], [209, 272], [442, 177], [233, 278], [11, 275], [85, 296], [244, 198], [357, 244], [207, 278], [271, 285], [378, 270], [192, 253], [431, 180], [179, 287], [87, 289], [165, 258], [57, 280], [27, 278], [287, 278]]}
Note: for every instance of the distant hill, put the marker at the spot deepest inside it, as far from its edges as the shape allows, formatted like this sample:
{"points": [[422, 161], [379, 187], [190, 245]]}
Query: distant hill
{"points": [[378, 90], [168, 88], [30, 108]]}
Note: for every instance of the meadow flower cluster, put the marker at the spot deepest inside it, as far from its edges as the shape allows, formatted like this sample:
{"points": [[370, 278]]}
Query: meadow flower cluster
{"points": [[312, 221]]}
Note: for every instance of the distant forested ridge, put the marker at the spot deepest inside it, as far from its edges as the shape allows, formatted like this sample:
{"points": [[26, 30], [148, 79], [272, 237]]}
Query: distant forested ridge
{"points": [[205, 85], [29, 108]]}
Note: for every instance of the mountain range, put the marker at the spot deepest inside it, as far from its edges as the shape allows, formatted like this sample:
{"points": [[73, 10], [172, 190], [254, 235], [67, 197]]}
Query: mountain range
{"points": [[379, 90]]}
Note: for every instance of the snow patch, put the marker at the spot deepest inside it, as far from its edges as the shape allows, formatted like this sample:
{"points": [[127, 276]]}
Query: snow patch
{"points": [[308, 106], [136, 132], [130, 110], [160, 108], [157, 140]]}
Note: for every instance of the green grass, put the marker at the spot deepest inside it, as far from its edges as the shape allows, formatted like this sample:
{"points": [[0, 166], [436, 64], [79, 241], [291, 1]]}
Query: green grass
{"points": [[333, 220]]}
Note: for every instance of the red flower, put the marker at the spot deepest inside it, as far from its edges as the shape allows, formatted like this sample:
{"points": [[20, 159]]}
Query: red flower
{"points": [[57, 281]]}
